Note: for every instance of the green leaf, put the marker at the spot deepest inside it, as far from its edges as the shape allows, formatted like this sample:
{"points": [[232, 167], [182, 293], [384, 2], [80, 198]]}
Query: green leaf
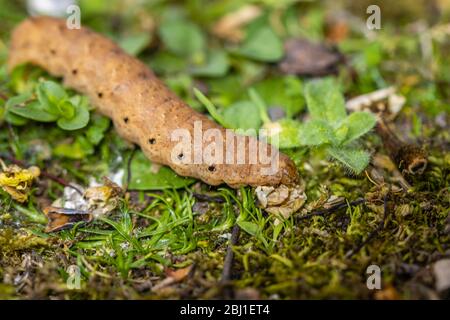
{"points": [[134, 44], [354, 159], [249, 227], [78, 149], [33, 111], [97, 128], [357, 124], [164, 62], [242, 115], [262, 44], [315, 133], [289, 93], [182, 37], [216, 65], [15, 119], [283, 134], [49, 94], [373, 54], [13, 102], [24, 77], [325, 101], [142, 177], [78, 121], [260, 104], [210, 107], [66, 109]]}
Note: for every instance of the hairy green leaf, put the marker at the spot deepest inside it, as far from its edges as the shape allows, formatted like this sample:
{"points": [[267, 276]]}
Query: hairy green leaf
{"points": [[357, 124], [325, 101], [354, 159], [283, 134], [315, 133]]}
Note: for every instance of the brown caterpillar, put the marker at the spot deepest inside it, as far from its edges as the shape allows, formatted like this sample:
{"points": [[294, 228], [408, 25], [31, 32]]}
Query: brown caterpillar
{"points": [[143, 110]]}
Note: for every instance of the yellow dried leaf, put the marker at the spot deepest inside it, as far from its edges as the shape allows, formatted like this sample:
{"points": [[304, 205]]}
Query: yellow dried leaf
{"points": [[17, 181]]}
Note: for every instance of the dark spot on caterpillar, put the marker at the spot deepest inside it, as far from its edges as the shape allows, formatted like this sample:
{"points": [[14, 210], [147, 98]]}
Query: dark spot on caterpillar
{"points": [[74, 71], [125, 119], [211, 168], [181, 156], [52, 51], [143, 75], [116, 50], [100, 95], [151, 141]]}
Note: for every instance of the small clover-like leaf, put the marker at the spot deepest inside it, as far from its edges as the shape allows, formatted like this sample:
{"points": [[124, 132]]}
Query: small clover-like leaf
{"points": [[354, 159], [78, 121], [49, 94], [66, 109], [325, 101]]}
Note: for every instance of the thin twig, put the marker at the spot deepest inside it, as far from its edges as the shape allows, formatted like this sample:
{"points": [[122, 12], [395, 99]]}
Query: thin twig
{"points": [[228, 262], [205, 197], [371, 235], [44, 173], [330, 210], [133, 152]]}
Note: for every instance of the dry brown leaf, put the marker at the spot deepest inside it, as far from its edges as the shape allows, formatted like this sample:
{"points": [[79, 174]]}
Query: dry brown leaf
{"points": [[96, 201], [281, 201], [62, 218], [337, 31], [230, 26], [303, 57], [173, 276]]}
